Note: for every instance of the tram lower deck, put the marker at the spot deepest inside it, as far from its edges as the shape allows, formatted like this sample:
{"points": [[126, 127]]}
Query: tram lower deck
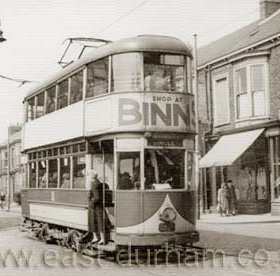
{"points": [[150, 195]]}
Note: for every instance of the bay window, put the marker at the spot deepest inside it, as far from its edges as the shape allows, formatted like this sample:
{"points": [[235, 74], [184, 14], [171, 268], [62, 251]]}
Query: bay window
{"points": [[250, 91]]}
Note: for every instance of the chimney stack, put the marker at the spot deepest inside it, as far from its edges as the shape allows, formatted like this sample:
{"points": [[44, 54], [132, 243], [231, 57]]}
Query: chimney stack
{"points": [[268, 7]]}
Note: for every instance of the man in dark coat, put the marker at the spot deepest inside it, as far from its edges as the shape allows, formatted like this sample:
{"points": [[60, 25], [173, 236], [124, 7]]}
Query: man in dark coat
{"points": [[232, 198], [149, 173], [95, 210]]}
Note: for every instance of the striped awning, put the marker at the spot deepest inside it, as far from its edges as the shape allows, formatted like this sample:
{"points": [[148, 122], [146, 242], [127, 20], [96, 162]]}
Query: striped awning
{"points": [[229, 147]]}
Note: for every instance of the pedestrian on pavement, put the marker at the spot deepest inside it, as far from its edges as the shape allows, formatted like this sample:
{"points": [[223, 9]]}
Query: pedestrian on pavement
{"points": [[2, 200], [223, 198], [232, 198]]}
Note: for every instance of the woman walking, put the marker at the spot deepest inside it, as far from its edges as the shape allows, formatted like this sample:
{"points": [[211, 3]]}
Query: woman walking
{"points": [[223, 200]]}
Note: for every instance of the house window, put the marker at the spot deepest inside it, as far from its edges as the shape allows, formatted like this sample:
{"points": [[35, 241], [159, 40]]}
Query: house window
{"points": [[257, 85], [250, 91], [221, 101]]}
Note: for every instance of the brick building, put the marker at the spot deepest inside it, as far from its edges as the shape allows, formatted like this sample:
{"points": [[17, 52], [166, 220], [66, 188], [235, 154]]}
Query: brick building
{"points": [[239, 105], [14, 170]]}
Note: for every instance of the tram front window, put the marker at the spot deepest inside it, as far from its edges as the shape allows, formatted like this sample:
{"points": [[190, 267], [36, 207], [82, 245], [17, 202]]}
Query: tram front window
{"points": [[129, 171], [164, 169], [164, 72], [126, 72]]}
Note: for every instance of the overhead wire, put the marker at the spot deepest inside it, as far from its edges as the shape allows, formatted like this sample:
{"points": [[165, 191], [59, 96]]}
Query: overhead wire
{"points": [[122, 16]]}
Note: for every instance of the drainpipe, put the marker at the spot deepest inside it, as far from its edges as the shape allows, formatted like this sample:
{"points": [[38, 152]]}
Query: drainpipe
{"points": [[197, 151]]}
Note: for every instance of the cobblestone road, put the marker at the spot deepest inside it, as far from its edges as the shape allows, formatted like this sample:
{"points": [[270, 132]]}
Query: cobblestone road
{"points": [[47, 260]]}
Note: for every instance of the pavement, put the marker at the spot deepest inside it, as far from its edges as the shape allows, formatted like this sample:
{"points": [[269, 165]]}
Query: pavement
{"points": [[239, 219], [236, 233], [10, 219]]}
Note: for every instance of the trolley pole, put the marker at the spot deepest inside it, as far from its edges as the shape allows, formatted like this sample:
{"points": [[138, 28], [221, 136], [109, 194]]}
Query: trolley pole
{"points": [[197, 151]]}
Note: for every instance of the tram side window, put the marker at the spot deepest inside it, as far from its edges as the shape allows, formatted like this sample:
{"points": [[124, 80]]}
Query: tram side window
{"points": [[64, 172], [79, 166], [76, 88], [190, 171], [32, 175], [40, 106], [42, 172], [164, 169], [126, 72], [164, 72], [53, 174], [97, 78], [62, 95], [31, 109], [129, 170], [51, 100]]}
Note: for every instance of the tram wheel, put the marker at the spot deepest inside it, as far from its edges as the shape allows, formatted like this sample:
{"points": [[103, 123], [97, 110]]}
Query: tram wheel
{"points": [[73, 239]]}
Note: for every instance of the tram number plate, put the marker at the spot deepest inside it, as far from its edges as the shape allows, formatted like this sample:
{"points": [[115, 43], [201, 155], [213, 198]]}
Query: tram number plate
{"points": [[166, 227]]}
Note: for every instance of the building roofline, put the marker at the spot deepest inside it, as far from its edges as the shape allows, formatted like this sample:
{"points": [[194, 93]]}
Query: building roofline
{"points": [[227, 56]]}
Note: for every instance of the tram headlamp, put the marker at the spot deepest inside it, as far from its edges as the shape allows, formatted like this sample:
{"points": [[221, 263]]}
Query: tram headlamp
{"points": [[168, 214]]}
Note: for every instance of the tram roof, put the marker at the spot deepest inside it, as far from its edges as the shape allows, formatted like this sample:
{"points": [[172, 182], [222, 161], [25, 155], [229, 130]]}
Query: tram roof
{"points": [[140, 43]]}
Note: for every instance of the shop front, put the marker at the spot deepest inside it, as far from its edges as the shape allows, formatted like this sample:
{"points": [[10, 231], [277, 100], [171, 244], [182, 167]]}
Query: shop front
{"points": [[274, 150], [242, 158]]}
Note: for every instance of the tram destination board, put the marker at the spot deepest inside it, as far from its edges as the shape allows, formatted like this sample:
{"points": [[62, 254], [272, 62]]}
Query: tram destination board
{"points": [[165, 142]]}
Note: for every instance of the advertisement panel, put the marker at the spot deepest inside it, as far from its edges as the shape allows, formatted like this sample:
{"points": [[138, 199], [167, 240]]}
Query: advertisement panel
{"points": [[140, 112]]}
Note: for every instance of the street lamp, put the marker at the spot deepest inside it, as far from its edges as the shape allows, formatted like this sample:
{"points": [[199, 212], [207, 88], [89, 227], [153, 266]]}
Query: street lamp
{"points": [[2, 39]]}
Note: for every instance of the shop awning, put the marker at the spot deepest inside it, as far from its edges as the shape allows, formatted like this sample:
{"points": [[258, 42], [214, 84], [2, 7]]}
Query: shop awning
{"points": [[229, 148]]}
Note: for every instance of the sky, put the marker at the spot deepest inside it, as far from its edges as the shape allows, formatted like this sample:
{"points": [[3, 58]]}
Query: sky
{"points": [[35, 31]]}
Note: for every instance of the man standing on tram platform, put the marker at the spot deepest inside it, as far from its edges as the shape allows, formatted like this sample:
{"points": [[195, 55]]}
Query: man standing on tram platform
{"points": [[95, 210]]}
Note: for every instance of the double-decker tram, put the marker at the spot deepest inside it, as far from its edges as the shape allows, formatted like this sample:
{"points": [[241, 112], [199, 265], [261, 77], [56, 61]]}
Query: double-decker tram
{"points": [[126, 111]]}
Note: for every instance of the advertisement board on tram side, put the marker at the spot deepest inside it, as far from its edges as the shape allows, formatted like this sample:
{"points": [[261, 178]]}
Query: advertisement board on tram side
{"points": [[141, 112]]}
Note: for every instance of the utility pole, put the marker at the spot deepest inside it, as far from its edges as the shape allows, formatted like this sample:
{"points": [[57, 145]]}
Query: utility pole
{"points": [[2, 39], [8, 171], [197, 151]]}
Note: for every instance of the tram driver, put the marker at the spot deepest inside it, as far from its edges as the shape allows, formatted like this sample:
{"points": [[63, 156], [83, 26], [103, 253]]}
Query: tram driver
{"points": [[156, 81], [149, 172]]}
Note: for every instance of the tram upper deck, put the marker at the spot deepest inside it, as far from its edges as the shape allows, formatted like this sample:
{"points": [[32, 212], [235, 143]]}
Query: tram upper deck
{"points": [[138, 84]]}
